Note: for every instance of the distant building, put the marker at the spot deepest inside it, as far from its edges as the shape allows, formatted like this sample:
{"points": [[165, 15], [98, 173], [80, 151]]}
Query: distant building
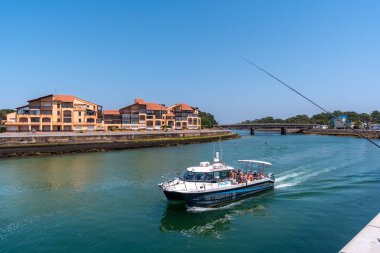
{"points": [[55, 113], [322, 127], [185, 116], [154, 116], [112, 119], [335, 123], [70, 113]]}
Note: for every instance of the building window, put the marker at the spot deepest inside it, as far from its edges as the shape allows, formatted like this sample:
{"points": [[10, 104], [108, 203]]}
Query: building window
{"points": [[80, 113], [80, 120], [67, 120], [67, 105], [90, 120], [35, 119], [46, 119], [58, 113], [67, 114], [46, 112]]}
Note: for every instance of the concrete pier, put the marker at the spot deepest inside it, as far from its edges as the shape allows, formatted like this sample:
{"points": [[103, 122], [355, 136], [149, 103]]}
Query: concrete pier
{"points": [[368, 239]]}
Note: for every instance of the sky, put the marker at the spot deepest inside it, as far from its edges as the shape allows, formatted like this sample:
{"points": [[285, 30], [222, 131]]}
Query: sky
{"points": [[186, 51]]}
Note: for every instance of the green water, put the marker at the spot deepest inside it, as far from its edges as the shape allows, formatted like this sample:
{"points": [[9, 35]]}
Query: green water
{"points": [[327, 189]]}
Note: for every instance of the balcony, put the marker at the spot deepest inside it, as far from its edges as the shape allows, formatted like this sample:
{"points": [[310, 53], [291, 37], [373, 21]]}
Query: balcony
{"points": [[34, 112], [46, 112], [67, 105], [112, 122], [35, 120]]}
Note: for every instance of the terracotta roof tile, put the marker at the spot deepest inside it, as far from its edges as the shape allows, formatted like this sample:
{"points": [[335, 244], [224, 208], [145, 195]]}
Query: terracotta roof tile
{"points": [[150, 106], [139, 101], [183, 107], [64, 98], [154, 107], [111, 112]]}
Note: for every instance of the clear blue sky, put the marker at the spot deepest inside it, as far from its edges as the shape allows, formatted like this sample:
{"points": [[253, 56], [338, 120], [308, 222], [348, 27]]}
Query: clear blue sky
{"points": [[110, 52]]}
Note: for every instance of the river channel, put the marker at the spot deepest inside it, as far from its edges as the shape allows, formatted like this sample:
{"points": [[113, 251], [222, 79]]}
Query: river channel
{"points": [[327, 188]]}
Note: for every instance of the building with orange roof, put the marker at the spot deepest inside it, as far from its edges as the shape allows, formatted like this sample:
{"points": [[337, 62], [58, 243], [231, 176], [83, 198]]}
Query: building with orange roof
{"points": [[186, 117], [111, 119], [143, 115], [56, 113], [154, 116], [70, 113]]}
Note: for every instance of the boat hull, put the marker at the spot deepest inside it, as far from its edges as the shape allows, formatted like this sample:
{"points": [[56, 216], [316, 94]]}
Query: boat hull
{"points": [[219, 198], [173, 196]]}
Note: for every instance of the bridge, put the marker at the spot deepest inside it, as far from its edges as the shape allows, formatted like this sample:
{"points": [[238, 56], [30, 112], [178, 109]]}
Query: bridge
{"points": [[283, 127]]}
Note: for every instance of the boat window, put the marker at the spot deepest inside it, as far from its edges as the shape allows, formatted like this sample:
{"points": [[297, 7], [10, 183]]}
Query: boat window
{"points": [[188, 176], [191, 176], [221, 174], [198, 177], [208, 176]]}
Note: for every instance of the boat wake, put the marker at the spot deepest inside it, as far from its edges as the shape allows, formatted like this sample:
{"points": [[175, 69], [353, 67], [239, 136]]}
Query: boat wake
{"points": [[300, 175]]}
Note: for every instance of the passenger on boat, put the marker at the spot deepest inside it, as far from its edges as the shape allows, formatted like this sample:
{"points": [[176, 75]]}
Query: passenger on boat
{"points": [[250, 178], [232, 174], [240, 176]]}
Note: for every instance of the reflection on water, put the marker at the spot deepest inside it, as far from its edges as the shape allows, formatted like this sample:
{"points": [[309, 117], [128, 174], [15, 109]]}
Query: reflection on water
{"points": [[188, 221], [52, 173]]}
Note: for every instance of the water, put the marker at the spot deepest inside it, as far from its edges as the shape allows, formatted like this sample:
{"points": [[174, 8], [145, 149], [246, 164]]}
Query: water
{"points": [[327, 189]]}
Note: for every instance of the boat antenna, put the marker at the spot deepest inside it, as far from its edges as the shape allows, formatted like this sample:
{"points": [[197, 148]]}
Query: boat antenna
{"points": [[308, 99]]}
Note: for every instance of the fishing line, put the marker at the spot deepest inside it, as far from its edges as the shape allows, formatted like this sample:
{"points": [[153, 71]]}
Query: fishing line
{"points": [[308, 99]]}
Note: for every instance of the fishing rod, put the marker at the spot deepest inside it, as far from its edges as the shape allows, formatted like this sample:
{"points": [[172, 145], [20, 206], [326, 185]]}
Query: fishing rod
{"points": [[308, 99]]}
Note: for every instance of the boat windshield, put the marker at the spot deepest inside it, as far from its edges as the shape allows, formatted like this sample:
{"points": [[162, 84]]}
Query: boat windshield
{"points": [[204, 176]]}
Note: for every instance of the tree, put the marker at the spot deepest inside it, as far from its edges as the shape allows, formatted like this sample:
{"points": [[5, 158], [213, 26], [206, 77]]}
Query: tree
{"points": [[300, 119], [208, 120], [375, 115], [264, 120], [321, 119], [4, 112]]}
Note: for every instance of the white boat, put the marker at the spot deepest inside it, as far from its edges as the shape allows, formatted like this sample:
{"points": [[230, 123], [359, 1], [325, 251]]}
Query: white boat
{"points": [[209, 185]]}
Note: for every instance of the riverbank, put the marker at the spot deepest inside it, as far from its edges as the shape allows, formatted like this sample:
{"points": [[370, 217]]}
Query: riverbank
{"points": [[41, 144], [344, 132]]}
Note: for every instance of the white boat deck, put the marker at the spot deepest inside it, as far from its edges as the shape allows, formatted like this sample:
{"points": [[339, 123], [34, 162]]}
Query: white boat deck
{"points": [[367, 240]]}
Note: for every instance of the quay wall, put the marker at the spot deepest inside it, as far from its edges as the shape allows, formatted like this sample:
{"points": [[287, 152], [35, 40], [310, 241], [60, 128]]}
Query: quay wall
{"points": [[50, 144], [344, 132]]}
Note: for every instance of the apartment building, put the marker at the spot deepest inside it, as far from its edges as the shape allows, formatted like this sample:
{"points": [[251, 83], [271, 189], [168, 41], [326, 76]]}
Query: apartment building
{"points": [[111, 119], [56, 113], [143, 115], [186, 117], [154, 116]]}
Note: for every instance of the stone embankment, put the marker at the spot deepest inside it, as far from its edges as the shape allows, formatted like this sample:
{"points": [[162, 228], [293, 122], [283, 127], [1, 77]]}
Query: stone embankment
{"points": [[344, 132], [18, 144]]}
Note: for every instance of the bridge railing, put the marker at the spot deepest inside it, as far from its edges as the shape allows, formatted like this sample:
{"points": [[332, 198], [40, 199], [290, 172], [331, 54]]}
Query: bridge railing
{"points": [[268, 125]]}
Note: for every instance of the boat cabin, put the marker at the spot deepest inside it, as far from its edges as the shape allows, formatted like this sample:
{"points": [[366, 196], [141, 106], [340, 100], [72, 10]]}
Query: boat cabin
{"points": [[207, 173]]}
